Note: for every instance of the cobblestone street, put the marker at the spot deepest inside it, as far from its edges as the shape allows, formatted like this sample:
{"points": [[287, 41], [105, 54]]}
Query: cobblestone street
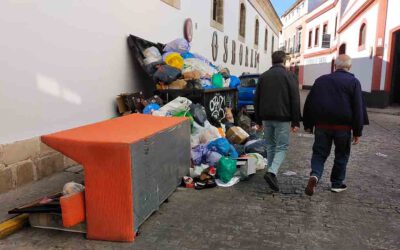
{"points": [[249, 216]]}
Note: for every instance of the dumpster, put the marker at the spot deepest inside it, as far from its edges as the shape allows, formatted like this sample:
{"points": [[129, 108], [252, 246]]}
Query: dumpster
{"points": [[132, 165], [214, 100]]}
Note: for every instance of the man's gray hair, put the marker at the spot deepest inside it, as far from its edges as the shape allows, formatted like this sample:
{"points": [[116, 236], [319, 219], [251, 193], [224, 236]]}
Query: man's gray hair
{"points": [[343, 62]]}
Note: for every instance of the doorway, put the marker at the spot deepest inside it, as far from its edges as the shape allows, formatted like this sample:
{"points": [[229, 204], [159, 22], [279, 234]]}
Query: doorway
{"points": [[342, 49], [395, 90]]}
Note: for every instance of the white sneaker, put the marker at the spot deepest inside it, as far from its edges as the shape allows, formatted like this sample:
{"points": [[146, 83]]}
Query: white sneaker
{"points": [[339, 189]]}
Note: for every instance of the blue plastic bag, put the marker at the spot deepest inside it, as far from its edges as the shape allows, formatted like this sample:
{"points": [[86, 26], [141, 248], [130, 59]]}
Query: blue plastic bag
{"points": [[151, 107], [187, 55], [235, 82], [222, 146]]}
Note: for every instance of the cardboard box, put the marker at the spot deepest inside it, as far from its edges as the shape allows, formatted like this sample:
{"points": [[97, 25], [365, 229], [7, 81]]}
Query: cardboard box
{"points": [[236, 135]]}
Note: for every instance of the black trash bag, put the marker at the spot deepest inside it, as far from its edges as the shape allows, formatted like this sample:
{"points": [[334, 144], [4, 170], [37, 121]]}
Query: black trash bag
{"points": [[194, 84], [240, 149], [153, 67], [155, 99], [166, 74], [259, 146], [199, 113], [213, 121]]}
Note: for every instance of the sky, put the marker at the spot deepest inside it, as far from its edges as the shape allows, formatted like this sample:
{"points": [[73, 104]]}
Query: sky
{"points": [[282, 5]]}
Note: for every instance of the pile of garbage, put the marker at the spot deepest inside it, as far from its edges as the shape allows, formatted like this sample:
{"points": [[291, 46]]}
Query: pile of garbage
{"points": [[175, 67], [217, 147], [223, 151]]}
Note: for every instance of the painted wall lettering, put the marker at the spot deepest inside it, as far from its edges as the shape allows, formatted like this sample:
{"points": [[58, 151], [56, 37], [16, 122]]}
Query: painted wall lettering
{"points": [[251, 60], [241, 55], [188, 30], [247, 57], [225, 58], [214, 46], [233, 52]]}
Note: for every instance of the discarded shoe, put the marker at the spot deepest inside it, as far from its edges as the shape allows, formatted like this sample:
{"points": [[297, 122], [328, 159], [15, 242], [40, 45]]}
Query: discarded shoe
{"points": [[204, 184]]}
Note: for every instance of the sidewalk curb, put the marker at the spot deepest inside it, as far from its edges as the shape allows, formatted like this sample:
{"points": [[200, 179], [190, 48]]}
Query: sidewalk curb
{"points": [[13, 225]]}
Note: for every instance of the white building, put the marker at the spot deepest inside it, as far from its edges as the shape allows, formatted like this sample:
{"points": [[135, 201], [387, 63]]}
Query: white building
{"points": [[366, 30], [63, 62], [293, 35]]}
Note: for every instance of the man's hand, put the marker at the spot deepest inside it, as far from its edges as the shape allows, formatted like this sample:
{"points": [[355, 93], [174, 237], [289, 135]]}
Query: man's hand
{"points": [[356, 140], [258, 128], [295, 129]]}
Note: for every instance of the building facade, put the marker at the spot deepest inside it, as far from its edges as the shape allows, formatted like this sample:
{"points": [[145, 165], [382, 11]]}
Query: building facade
{"points": [[293, 36], [367, 31], [63, 63]]}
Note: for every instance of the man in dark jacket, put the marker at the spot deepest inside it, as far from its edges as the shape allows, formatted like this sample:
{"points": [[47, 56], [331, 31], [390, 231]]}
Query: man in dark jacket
{"points": [[334, 107], [277, 108]]}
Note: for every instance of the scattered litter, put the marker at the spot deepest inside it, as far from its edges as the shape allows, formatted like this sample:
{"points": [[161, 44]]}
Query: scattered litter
{"points": [[289, 173], [305, 135], [232, 182], [381, 155]]}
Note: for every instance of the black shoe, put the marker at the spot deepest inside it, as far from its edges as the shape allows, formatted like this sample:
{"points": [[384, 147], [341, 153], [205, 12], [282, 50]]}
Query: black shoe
{"points": [[270, 178], [311, 185], [339, 189]]}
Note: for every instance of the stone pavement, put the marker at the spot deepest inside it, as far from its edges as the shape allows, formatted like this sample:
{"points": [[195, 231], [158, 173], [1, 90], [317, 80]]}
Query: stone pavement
{"points": [[250, 216]]}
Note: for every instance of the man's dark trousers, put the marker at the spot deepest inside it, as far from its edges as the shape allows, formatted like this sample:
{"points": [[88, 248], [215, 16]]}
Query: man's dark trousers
{"points": [[321, 151]]}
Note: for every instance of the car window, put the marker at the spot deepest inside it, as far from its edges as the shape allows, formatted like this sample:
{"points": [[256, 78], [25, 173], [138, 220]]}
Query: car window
{"points": [[249, 82]]}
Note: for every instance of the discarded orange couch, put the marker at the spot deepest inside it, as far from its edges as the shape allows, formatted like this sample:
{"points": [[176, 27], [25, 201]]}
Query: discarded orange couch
{"points": [[108, 151]]}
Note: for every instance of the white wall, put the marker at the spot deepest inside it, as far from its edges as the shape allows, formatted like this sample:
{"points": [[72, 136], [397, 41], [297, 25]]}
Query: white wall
{"points": [[362, 63], [327, 17], [63, 62], [316, 67]]}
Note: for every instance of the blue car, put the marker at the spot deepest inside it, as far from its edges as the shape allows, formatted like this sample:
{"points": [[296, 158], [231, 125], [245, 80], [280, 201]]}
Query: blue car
{"points": [[247, 89]]}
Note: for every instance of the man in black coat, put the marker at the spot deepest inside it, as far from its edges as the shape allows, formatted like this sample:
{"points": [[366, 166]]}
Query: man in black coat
{"points": [[277, 108], [334, 107]]}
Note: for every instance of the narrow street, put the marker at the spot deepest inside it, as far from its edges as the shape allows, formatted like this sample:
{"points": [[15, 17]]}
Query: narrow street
{"points": [[249, 216]]}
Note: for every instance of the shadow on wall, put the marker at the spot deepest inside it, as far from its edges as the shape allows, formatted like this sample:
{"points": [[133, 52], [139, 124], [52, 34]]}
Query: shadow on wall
{"points": [[362, 68]]}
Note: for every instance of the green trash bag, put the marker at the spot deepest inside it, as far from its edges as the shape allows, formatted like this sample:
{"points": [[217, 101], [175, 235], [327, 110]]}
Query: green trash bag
{"points": [[185, 114], [226, 169], [217, 80]]}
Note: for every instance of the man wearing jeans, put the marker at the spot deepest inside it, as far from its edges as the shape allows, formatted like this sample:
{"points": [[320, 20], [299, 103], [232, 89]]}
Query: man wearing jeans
{"points": [[335, 107], [277, 108]]}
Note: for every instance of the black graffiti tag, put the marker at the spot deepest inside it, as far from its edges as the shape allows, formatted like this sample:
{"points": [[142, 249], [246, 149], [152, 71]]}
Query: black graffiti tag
{"points": [[216, 106]]}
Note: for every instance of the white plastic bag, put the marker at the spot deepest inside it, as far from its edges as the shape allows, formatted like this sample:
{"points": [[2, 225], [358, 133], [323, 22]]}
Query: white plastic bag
{"points": [[197, 170], [194, 64], [203, 135], [175, 106], [152, 52], [72, 188], [260, 163]]}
